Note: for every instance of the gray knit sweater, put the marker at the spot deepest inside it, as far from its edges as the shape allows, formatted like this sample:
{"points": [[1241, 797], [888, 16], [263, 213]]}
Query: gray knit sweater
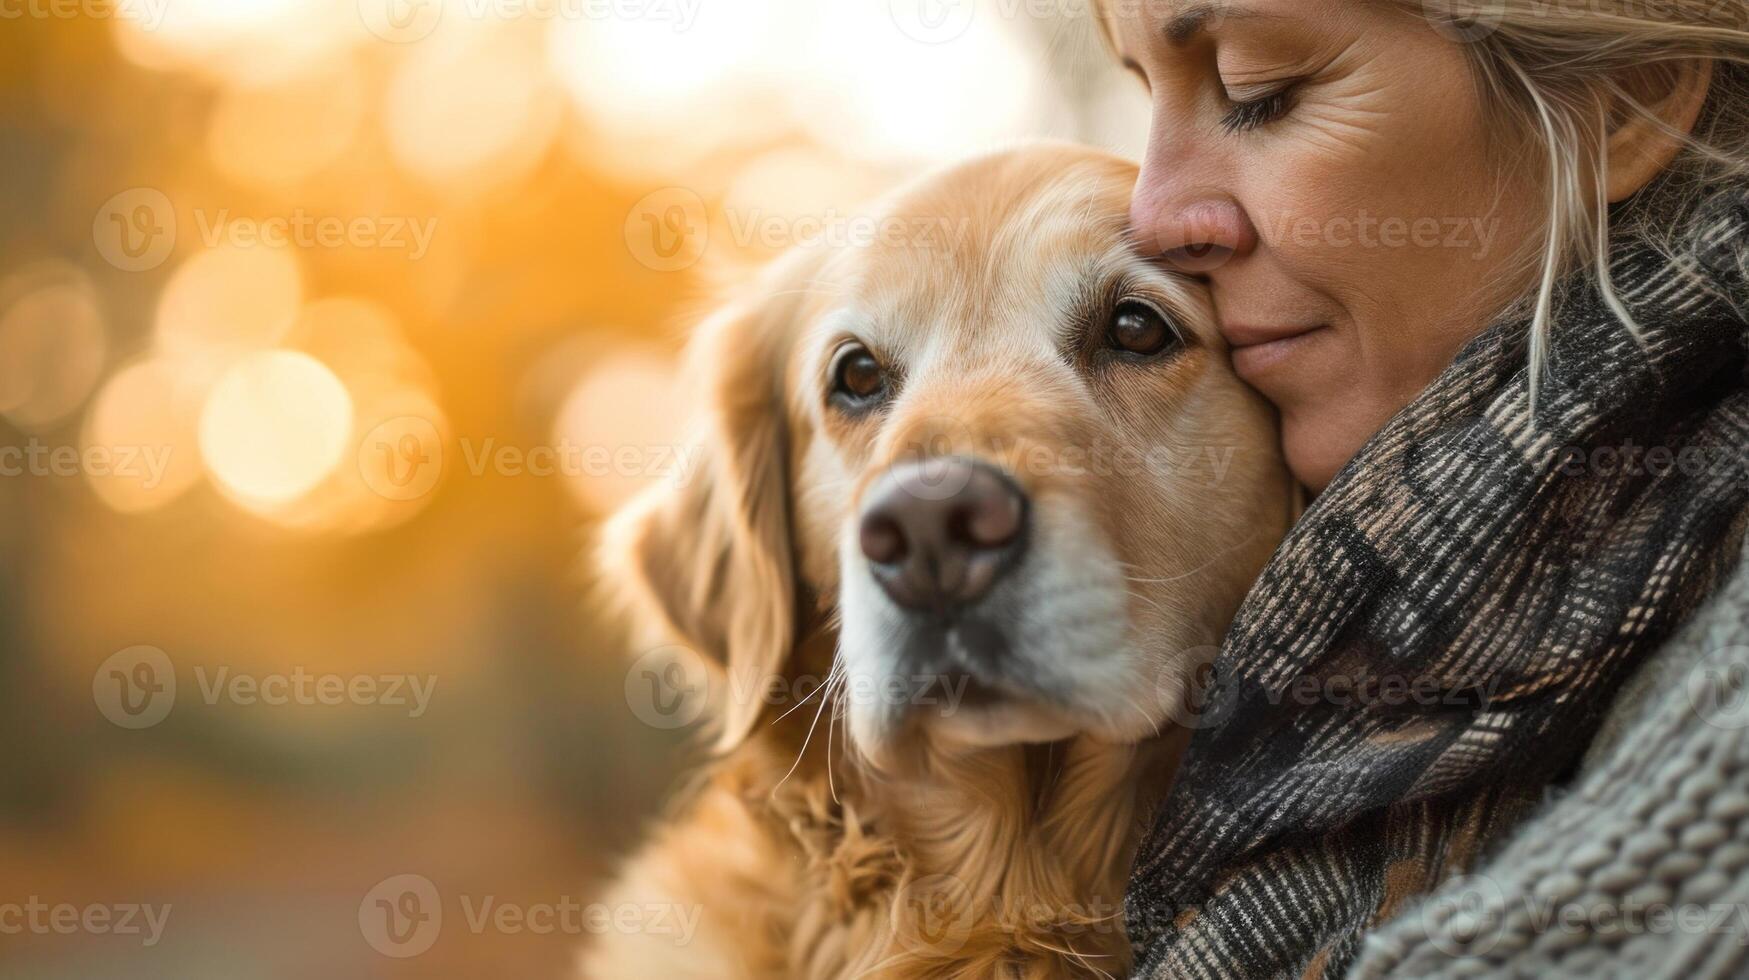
{"points": [[1641, 869]]}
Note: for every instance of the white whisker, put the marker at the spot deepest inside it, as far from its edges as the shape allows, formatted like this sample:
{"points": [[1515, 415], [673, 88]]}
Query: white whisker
{"points": [[809, 738]]}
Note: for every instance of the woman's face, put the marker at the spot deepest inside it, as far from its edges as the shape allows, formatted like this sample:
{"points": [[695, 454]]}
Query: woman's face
{"points": [[1328, 167]]}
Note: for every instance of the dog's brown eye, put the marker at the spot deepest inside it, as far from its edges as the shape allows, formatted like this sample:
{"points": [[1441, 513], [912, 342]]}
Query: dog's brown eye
{"points": [[1138, 328], [857, 378]]}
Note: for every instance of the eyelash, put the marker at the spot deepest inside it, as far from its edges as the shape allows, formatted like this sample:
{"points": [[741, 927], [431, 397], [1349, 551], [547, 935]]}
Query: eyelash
{"points": [[1249, 115]]}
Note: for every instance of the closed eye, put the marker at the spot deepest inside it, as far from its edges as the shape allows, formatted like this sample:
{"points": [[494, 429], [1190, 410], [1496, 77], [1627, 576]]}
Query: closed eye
{"points": [[1250, 114]]}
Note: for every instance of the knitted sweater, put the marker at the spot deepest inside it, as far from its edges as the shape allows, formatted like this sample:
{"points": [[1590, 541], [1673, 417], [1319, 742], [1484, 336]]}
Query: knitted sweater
{"points": [[1641, 870]]}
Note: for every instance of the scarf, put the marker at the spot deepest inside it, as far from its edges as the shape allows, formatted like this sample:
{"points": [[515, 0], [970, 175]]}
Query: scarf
{"points": [[1436, 641]]}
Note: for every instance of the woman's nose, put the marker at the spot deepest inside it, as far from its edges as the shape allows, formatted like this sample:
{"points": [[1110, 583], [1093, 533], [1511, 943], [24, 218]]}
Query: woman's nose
{"points": [[1196, 230]]}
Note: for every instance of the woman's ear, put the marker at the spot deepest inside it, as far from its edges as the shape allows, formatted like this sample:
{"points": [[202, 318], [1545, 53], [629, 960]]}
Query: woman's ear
{"points": [[711, 555], [1642, 142]]}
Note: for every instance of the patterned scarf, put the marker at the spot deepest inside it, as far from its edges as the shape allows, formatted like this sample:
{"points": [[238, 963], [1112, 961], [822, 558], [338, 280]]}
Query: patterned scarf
{"points": [[1437, 640]]}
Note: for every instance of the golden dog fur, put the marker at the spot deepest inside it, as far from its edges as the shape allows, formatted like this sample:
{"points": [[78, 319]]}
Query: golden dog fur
{"points": [[816, 854]]}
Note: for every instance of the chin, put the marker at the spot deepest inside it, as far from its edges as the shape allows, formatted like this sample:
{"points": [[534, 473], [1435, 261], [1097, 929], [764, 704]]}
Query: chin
{"points": [[1313, 456]]}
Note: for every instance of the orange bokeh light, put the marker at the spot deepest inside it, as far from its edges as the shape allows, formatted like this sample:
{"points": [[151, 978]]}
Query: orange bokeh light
{"points": [[273, 427], [230, 299], [52, 344]]}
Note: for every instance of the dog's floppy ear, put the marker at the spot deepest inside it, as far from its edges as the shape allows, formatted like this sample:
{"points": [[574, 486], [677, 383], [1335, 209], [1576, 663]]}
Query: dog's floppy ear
{"points": [[711, 554]]}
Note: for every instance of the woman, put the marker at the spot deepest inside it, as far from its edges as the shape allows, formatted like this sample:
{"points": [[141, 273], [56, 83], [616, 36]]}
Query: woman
{"points": [[1490, 268]]}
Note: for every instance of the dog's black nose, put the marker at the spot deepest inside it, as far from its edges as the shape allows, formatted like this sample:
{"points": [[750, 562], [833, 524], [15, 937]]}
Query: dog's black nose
{"points": [[939, 532]]}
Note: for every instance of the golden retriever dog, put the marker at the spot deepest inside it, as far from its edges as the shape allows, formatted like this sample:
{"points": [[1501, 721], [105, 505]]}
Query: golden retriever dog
{"points": [[978, 498]]}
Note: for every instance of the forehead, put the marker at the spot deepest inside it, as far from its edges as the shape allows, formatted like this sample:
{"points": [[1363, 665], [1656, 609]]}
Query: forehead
{"points": [[1005, 248], [1164, 28]]}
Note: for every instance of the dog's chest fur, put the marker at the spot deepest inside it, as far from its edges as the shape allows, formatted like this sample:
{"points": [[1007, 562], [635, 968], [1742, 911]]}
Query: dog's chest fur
{"points": [[817, 875]]}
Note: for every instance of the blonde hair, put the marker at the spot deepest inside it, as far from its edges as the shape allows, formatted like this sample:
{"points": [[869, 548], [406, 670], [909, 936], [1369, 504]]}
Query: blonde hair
{"points": [[1558, 72]]}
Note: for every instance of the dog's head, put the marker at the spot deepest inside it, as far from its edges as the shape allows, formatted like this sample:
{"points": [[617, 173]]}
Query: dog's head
{"points": [[1006, 451]]}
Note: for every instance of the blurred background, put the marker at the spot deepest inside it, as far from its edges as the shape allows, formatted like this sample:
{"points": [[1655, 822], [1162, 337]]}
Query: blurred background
{"points": [[328, 331]]}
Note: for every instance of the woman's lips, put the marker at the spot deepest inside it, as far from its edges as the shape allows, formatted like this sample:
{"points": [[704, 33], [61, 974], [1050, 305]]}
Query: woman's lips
{"points": [[1259, 350]]}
